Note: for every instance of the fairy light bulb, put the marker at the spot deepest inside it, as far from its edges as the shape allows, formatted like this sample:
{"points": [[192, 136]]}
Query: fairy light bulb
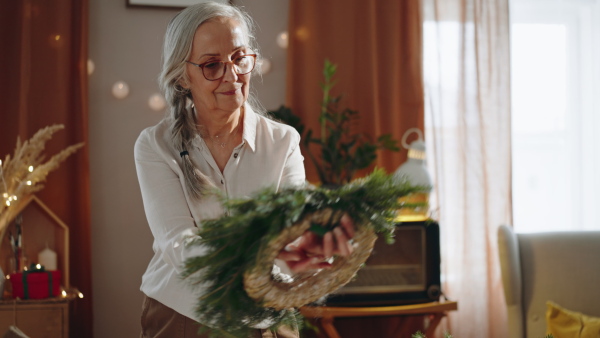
{"points": [[157, 102], [282, 40], [30, 168], [264, 66], [90, 67], [80, 295], [120, 90], [29, 183]]}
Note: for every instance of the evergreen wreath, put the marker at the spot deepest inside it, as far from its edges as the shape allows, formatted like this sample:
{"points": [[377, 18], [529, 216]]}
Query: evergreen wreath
{"points": [[241, 246]]}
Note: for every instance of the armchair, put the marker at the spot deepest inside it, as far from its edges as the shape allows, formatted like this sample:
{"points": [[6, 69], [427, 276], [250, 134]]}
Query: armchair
{"points": [[563, 267]]}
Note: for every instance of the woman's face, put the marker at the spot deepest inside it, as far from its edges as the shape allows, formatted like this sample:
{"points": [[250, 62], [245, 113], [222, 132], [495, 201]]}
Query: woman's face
{"points": [[220, 39]]}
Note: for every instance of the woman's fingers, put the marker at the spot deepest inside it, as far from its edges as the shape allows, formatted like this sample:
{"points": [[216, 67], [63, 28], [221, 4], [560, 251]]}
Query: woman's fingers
{"points": [[347, 225], [310, 251], [312, 263], [342, 241], [290, 256], [328, 245], [310, 243]]}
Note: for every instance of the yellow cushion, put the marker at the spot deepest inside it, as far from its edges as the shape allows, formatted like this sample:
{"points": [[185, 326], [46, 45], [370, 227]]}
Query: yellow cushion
{"points": [[563, 323]]}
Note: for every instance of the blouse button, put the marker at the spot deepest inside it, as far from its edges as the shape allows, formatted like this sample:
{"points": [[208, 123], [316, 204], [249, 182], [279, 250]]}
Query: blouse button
{"points": [[235, 155], [221, 181]]}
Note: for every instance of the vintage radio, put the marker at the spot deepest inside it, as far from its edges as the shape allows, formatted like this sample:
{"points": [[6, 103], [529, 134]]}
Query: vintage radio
{"points": [[407, 271]]}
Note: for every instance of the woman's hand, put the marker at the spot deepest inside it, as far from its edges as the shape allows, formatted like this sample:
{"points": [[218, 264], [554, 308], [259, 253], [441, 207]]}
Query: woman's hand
{"points": [[311, 252]]}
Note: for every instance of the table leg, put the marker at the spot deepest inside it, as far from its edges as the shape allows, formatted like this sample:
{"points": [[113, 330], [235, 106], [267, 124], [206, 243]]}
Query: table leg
{"points": [[435, 321], [330, 331]]}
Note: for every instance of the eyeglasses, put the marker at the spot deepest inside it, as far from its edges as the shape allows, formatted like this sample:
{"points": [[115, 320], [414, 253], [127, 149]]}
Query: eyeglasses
{"points": [[215, 70]]}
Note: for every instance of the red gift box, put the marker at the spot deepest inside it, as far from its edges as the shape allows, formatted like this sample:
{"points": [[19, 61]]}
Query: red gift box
{"points": [[35, 284]]}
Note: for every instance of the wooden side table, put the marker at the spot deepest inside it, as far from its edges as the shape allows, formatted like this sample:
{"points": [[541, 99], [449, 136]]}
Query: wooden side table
{"points": [[434, 310], [36, 318]]}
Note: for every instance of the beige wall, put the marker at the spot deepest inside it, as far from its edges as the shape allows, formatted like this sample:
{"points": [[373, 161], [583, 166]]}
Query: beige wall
{"points": [[125, 45]]}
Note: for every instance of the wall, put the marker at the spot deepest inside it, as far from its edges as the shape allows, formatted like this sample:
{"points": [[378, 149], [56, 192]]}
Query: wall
{"points": [[125, 44]]}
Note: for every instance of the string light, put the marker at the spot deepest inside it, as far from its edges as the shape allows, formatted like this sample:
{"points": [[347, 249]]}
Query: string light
{"points": [[282, 40], [157, 102], [80, 295], [90, 66], [120, 90], [5, 194], [7, 197]]}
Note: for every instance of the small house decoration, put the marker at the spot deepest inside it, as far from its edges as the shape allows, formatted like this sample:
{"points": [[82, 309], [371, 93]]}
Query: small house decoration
{"points": [[41, 229]]}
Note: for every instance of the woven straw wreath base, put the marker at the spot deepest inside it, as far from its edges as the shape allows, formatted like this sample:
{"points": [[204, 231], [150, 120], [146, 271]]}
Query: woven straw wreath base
{"points": [[262, 287]]}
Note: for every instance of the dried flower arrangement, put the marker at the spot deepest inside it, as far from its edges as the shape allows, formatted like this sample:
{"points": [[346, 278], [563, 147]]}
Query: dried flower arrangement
{"points": [[24, 173]]}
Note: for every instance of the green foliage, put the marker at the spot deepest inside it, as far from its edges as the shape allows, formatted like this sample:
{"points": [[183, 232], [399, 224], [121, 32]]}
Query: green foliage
{"points": [[234, 241], [342, 153]]}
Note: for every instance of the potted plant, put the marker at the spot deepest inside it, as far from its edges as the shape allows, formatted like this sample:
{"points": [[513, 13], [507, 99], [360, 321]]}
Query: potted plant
{"points": [[341, 152]]}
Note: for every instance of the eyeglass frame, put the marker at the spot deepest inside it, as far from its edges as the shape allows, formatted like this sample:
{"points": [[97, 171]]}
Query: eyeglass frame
{"points": [[201, 66]]}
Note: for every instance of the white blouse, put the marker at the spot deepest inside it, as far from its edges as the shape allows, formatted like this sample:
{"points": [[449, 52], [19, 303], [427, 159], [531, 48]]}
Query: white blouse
{"points": [[269, 156]]}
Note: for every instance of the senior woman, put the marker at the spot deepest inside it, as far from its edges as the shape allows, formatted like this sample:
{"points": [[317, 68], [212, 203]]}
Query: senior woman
{"points": [[212, 139]]}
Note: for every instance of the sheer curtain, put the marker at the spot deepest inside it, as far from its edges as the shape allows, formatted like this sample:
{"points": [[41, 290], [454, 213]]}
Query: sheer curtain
{"points": [[467, 118], [44, 82]]}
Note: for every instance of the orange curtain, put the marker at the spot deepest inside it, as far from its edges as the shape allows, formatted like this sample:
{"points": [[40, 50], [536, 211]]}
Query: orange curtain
{"points": [[377, 47], [44, 82]]}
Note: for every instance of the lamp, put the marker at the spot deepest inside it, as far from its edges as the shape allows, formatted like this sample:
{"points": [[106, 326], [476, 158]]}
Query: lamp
{"points": [[415, 171]]}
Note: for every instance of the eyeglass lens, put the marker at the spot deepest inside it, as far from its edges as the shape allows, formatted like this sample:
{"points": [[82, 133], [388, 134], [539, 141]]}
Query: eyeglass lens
{"points": [[241, 65]]}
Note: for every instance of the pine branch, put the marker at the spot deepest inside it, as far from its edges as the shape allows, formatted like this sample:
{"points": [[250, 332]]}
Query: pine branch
{"points": [[234, 241]]}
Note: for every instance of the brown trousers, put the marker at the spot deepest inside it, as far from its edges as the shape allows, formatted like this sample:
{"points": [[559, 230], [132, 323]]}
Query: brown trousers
{"points": [[160, 321]]}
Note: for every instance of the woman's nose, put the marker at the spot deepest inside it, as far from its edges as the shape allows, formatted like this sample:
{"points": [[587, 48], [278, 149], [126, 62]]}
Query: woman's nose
{"points": [[230, 75]]}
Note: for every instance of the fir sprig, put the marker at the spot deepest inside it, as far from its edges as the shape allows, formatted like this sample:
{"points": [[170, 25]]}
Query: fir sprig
{"points": [[341, 152], [233, 243]]}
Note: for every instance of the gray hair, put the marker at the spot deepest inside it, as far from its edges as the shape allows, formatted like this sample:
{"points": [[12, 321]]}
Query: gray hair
{"points": [[176, 51]]}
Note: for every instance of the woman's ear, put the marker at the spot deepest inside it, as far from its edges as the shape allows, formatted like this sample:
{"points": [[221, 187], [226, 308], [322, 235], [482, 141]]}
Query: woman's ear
{"points": [[183, 83]]}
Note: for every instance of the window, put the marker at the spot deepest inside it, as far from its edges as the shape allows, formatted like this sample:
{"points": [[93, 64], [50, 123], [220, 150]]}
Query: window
{"points": [[555, 79]]}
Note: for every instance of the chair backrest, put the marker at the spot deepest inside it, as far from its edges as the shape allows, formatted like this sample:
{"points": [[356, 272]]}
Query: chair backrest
{"points": [[563, 267]]}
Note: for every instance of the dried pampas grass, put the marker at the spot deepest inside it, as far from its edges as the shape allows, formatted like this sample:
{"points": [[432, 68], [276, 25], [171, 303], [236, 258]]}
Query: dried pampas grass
{"points": [[24, 173]]}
